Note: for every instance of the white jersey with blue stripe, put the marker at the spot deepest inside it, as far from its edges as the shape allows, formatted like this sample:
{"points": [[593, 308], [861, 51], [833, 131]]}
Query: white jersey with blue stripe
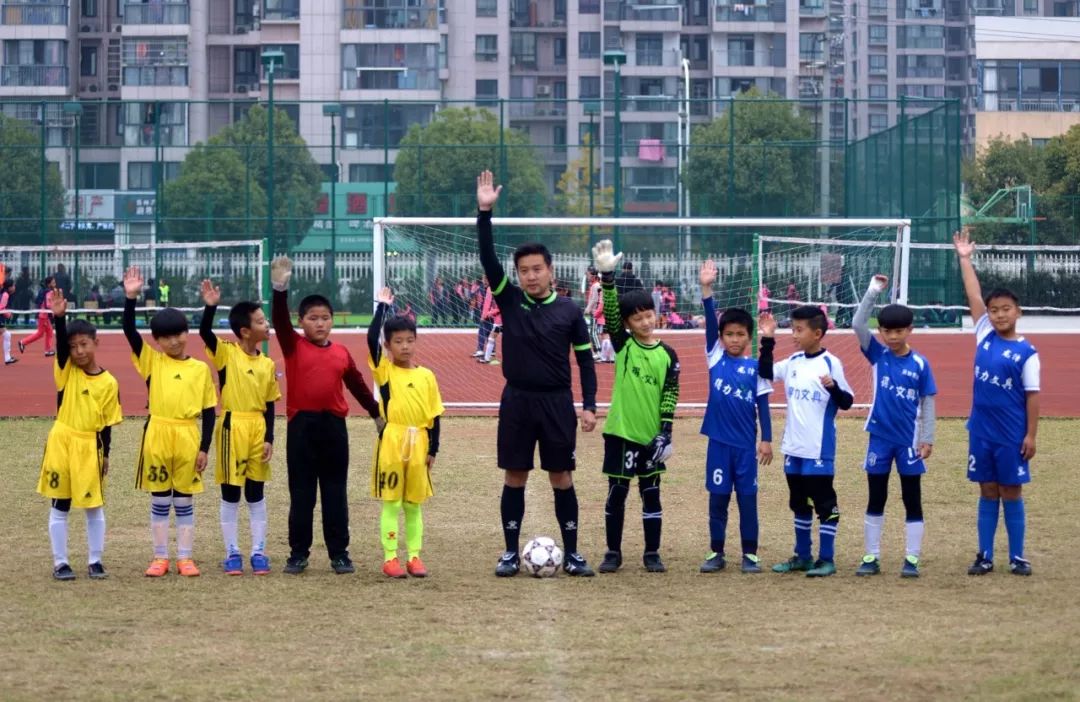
{"points": [[900, 382], [810, 430], [734, 386], [1006, 370]]}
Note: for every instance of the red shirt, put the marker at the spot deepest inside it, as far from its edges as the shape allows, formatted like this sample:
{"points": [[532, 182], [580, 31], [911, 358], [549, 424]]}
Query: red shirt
{"points": [[315, 373]]}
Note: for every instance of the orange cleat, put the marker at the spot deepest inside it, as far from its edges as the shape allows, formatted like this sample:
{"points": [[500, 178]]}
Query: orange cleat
{"points": [[392, 569], [416, 568], [159, 567], [187, 568]]}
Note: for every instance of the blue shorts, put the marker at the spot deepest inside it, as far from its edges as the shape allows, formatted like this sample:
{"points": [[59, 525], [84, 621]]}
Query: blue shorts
{"points": [[793, 465], [996, 463], [729, 467], [881, 454]]}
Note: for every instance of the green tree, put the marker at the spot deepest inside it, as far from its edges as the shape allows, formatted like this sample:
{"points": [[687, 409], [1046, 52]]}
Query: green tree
{"points": [[211, 196], [20, 187], [572, 195]]}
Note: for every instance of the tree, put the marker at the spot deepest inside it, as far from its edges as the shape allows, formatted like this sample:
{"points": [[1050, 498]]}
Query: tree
{"points": [[212, 195], [572, 194], [774, 158], [437, 165], [21, 187]]}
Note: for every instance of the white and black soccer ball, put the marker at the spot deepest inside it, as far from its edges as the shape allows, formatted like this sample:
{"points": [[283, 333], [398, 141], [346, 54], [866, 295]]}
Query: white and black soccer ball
{"points": [[542, 557]]}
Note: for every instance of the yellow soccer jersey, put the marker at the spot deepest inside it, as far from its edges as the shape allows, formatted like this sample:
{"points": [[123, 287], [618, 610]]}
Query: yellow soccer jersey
{"points": [[87, 402], [414, 398], [178, 389], [247, 382]]}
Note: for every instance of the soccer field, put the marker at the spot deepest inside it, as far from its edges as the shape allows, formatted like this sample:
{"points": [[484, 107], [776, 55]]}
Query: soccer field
{"points": [[463, 634]]}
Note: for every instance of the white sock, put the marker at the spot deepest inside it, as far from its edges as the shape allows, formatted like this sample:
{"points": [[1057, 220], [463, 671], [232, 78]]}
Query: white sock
{"points": [[257, 514], [95, 534], [872, 526], [607, 351], [489, 349], [7, 345], [914, 533], [58, 535], [159, 524], [229, 515], [185, 526]]}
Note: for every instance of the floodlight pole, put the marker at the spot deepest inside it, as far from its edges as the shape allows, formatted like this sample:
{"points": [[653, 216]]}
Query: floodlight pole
{"points": [[617, 58], [75, 110], [271, 60], [332, 111]]}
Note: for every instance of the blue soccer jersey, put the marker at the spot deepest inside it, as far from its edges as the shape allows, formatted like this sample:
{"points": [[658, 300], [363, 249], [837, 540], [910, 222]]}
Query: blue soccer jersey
{"points": [[810, 431], [1005, 371], [900, 382]]}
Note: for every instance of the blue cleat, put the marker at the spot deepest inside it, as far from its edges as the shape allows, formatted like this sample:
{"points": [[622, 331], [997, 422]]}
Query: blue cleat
{"points": [[870, 566], [1020, 566], [233, 564], [751, 563], [910, 568], [260, 564]]}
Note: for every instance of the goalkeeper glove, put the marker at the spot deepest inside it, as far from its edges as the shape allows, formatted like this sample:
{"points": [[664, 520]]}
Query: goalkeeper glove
{"points": [[604, 257], [280, 273], [878, 284], [658, 450]]}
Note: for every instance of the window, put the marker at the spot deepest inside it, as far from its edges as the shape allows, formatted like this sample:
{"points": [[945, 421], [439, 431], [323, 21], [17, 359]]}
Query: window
{"points": [[1065, 9], [35, 12], [559, 11], [558, 138], [590, 131], [281, 9], [878, 122], [649, 49], [879, 91], [879, 64], [89, 8], [88, 56], [99, 176], [522, 50], [368, 172], [155, 61], [588, 87], [246, 70], [926, 36], [35, 62], [138, 121], [559, 50], [740, 50], [930, 66], [290, 68], [142, 175], [487, 47], [879, 34], [487, 92], [159, 12], [1031, 7], [369, 126], [588, 45], [390, 66], [487, 8], [589, 7]]}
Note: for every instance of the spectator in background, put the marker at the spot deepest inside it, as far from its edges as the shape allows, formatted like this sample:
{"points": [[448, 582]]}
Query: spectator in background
{"points": [[627, 280], [150, 299], [658, 302], [24, 294], [439, 300], [163, 293], [93, 301], [763, 299], [63, 282]]}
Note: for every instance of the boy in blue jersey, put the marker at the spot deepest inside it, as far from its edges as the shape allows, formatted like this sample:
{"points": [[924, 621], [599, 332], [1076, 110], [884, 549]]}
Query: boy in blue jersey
{"points": [[901, 425], [816, 388], [739, 390], [1004, 417]]}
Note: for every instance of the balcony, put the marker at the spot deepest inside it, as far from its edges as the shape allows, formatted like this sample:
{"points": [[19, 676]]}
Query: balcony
{"points": [[382, 18], [1014, 105], [748, 57], [155, 75], [812, 8], [281, 10], [919, 10], [537, 64], [728, 11], [487, 55], [642, 11], [246, 82], [157, 12], [17, 13], [534, 108], [34, 76], [654, 57], [390, 78], [648, 103], [878, 8], [921, 72], [921, 43]]}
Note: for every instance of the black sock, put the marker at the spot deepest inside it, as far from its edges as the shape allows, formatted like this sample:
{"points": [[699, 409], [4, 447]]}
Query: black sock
{"points": [[512, 508], [615, 512], [566, 511], [652, 513]]}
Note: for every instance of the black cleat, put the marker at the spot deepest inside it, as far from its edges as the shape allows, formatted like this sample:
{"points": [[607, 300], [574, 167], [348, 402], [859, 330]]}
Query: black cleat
{"points": [[611, 563], [509, 565], [981, 566], [50, 354], [96, 571], [63, 572], [652, 561], [714, 563], [295, 565], [10, 361], [1020, 566], [575, 565], [342, 565]]}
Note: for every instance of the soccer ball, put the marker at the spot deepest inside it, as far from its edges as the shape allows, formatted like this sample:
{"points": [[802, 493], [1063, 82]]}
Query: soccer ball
{"points": [[541, 557]]}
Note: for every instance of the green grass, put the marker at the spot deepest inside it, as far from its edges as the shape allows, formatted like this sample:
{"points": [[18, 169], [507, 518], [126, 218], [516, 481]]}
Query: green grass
{"points": [[463, 634]]}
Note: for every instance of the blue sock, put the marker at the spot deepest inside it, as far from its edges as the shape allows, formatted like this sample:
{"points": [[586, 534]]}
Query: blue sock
{"points": [[748, 522], [988, 520], [827, 534], [718, 514], [1014, 526], [804, 522]]}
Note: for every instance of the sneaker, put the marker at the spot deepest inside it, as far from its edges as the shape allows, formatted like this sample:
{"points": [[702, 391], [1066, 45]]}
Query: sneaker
{"points": [[159, 567], [295, 565], [751, 563], [96, 571], [509, 565], [343, 565], [822, 569], [416, 567], [714, 563], [233, 564], [870, 566], [260, 564], [981, 566], [187, 568], [1020, 566], [494, 362], [575, 565], [10, 361], [481, 360], [910, 569], [611, 563], [49, 354], [793, 564], [22, 347], [478, 354], [392, 569], [63, 572], [653, 564]]}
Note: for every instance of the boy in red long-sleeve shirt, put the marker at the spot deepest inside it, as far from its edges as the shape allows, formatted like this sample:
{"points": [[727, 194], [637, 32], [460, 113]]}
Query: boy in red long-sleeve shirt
{"points": [[317, 449]]}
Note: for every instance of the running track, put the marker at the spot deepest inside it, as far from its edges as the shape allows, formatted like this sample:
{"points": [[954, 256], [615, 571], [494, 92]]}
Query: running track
{"points": [[28, 389]]}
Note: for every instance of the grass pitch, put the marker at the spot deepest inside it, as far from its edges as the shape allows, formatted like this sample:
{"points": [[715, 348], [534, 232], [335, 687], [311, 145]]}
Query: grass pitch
{"points": [[463, 634]]}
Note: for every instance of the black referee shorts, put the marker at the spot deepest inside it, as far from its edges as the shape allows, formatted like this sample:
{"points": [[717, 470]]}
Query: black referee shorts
{"points": [[527, 418]]}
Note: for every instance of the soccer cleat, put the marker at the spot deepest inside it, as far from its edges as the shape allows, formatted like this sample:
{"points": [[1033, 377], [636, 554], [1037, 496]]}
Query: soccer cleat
{"points": [[575, 565], [416, 567], [714, 563], [392, 569], [49, 354], [96, 571], [1020, 566], [653, 564], [981, 566], [611, 563], [295, 565], [910, 569], [22, 347], [342, 565], [481, 360], [10, 361], [478, 354], [793, 564], [63, 572], [751, 563], [260, 564], [187, 568], [870, 565], [494, 362], [509, 565], [159, 567], [233, 564], [822, 569]]}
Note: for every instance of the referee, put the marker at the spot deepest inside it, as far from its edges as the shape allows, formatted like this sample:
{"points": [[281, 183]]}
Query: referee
{"points": [[537, 405]]}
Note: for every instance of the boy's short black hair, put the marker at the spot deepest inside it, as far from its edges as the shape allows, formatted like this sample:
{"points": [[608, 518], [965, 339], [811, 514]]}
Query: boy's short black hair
{"points": [[531, 248], [813, 316], [1001, 292], [627, 265], [398, 323], [168, 322], [895, 317], [314, 301], [7, 283], [737, 316], [633, 301], [240, 315], [81, 327]]}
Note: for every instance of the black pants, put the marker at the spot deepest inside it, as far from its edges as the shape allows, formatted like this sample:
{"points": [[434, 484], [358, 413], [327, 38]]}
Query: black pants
{"points": [[317, 455]]}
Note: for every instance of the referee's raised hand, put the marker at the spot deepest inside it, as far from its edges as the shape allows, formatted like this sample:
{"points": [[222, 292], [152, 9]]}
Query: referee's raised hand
{"points": [[487, 193], [133, 283]]}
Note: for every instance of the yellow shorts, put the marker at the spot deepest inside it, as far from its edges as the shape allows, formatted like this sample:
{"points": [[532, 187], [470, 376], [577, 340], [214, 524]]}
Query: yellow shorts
{"points": [[72, 467], [239, 437], [167, 456], [399, 470]]}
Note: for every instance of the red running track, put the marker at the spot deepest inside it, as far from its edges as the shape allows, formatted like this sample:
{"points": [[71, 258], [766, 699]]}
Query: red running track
{"points": [[28, 390]]}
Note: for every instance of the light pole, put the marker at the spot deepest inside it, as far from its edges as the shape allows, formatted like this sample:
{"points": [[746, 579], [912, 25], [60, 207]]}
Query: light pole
{"points": [[616, 58], [332, 110], [75, 109], [271, 59], [591, 108]]}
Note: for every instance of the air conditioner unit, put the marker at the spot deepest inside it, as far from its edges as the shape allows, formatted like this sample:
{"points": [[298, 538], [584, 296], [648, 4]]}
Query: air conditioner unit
{"points": [[93, 87], [242, 88], [241, 29], [543, 91], [118, 28]]}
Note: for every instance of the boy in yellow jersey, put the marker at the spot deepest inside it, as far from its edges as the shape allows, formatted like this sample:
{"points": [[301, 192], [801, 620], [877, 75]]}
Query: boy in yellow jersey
{"points": [[77, 452], [410, 403], [173, 454], [245, 431]]}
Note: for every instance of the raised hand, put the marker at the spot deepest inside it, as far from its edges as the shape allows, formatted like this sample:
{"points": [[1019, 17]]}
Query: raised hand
{"points": [[604, 257], [211, 294], [879, 283], [963, 243], [487, 193], [707, 276], [385, 296], [133, 283], [766, 324], [59, 304], [280, 273]]}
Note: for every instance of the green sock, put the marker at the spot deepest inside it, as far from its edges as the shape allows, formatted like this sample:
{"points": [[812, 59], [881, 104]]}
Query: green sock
{"points": [[414, 529], [388, 528]]}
